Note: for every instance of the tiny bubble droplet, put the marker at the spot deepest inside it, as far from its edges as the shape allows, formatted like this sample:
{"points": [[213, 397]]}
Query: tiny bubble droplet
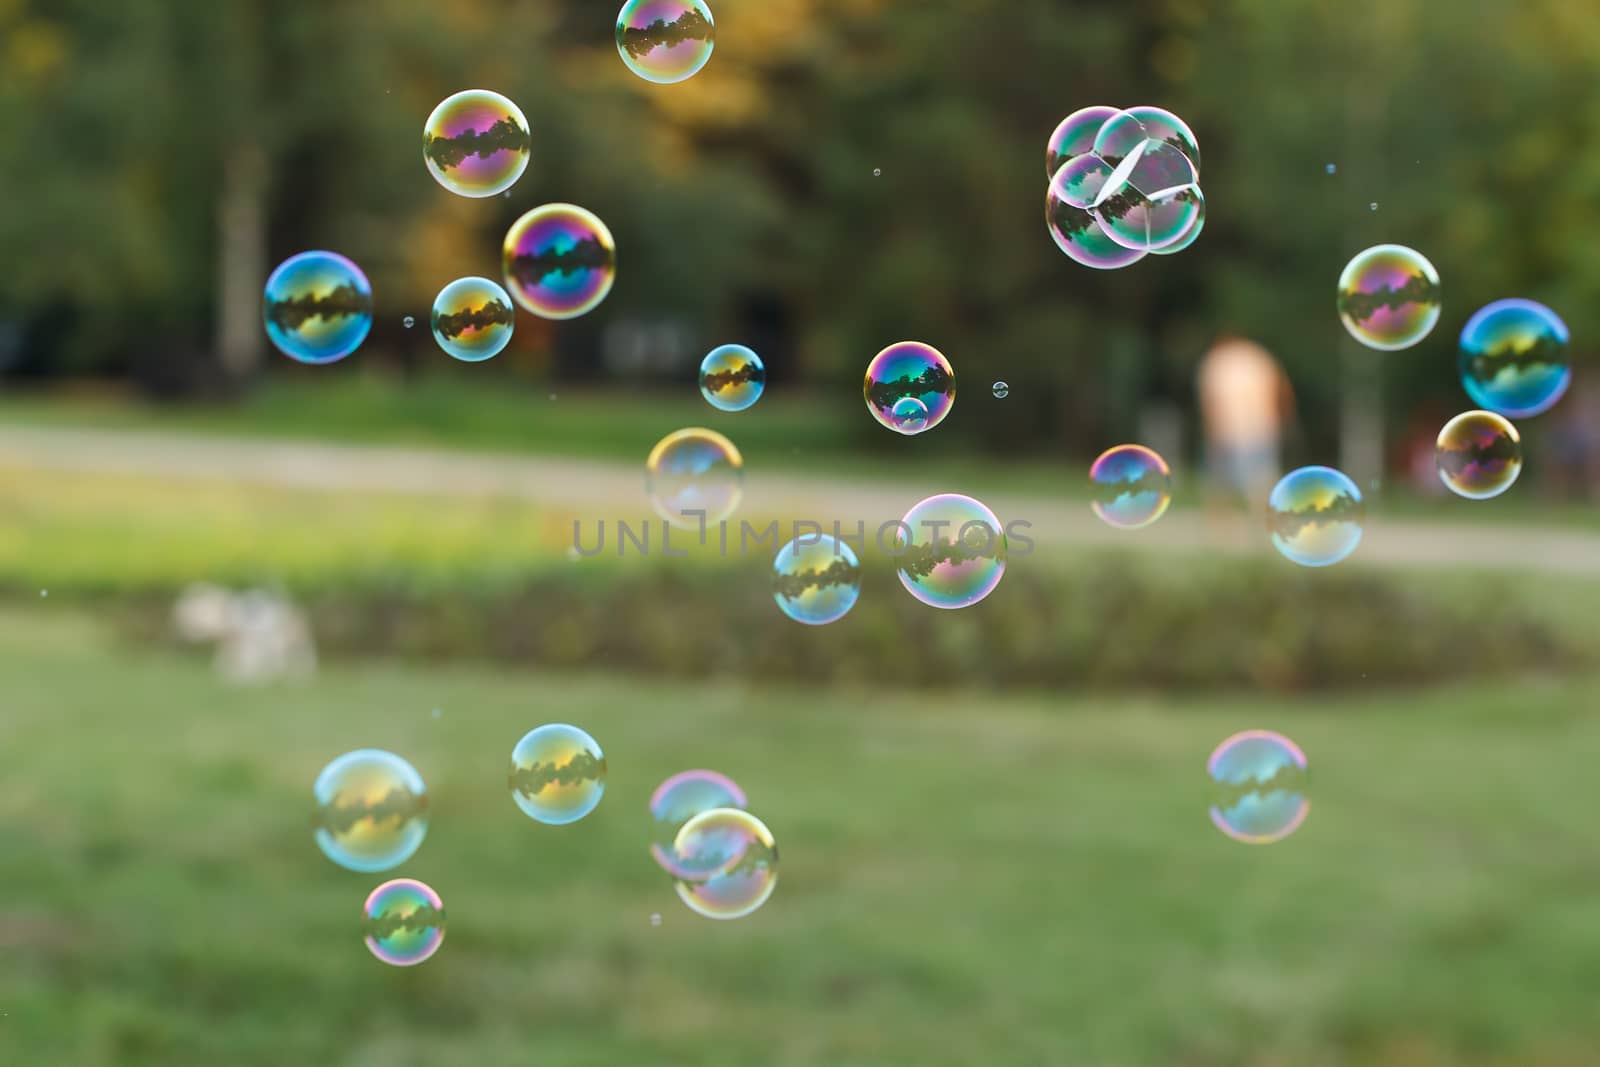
{"points": [[408, 322], [437, 712], [655, 919], [1372, 206], [1001, 390], [1333, 168], [44, 592], [877, 173]]}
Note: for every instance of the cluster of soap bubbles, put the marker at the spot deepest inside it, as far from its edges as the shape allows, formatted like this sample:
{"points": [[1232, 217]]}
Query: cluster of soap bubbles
{"points": [[558, 260], [372, 814], [1123, 184], [1513, 360], [723, 861]]}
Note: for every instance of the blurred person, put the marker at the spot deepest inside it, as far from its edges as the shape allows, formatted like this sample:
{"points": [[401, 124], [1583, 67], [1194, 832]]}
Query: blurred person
{"points": [[1245, 401], [1573, 469]]}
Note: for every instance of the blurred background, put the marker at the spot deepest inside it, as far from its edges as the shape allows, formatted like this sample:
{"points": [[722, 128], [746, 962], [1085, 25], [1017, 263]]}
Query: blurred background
{"points": [[219, 569]]}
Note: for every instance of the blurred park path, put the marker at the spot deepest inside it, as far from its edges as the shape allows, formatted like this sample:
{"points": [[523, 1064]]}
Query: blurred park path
{"points": [[587, 490]]}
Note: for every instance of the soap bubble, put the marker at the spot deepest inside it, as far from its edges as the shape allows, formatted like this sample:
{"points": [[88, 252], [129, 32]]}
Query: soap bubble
{"points": [[317, 307], [950, 551], [1189, 236], [558, 774], [1079, 234], [1131, 485], [676, 801], [1315, 516], [1258, 783], [408, 322], [1118, 137], [372, 810], [404, 921], [1074, 136], [694, 470], [476, 143], [732, 377], [1389, 297], [1332, 168], [1150, 201], [559, 260], [741, 850], [1079, 181], [1166, 128], [1479, 455], [877, 172], [816, 580], [915, 370], [665, 41], [1001, 390], [472, 319], [1514, 358]]}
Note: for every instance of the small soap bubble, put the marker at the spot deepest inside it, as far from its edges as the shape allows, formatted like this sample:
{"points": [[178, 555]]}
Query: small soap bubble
{"points": [[1001, 390], [1258, 781], [559, 261], [1372, 206], [404, 921], [476, 143], [679, 799], [732, 377], [558, 774], [745, 864], [950, 551], [691, 471], [1131, 486], [317, 307], [816, 580], [1314, 515], [909, 370], [876, 173], [372, 810], [1514, 358], [408, 322], [437, 712], [44, 593], [1479, 455], [1388, 297], [665, 41], [1332, 168], [655, 919], [472, 319]]}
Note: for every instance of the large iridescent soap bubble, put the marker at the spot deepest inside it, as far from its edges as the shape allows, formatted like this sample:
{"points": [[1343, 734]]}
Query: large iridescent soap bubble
{"points": [[1315, 516], [1078, 234], [1389, 297], [404, 922], [694, 477], [909, 370], [558, 774], [1074, 136], [741, 852], [816, 580], [732, 377], [559, 261], [1479, 455], [1258, 781], [476, 143], [1131, 486], [371, 810], [1166, 128], [472, 319], [317, 307], [676, 801], [1514, 358], [665, 41], [950, 551], [1151, 200]]}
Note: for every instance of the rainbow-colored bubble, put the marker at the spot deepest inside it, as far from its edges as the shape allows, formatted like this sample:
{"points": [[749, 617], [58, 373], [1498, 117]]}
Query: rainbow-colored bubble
{"points": [[558, 774], [1314, 515], [694, 477], [372, 810], [816, 580], [1479, 455], [950, 551], [1131, 486], [1258, 781], [741, 852], [909, 370], [559, 261], [732, 377], [317, 307], [1164, 127], [1515, 359], [1389, 297], [1074, 136], [676, 801], [472, 319], [1151, 201], [476, 143], [1078, 233], [404, 922], [665, 41]]}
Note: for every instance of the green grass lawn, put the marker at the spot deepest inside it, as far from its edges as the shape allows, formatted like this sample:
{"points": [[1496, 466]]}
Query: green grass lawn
{"points": [[965, 878]]}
